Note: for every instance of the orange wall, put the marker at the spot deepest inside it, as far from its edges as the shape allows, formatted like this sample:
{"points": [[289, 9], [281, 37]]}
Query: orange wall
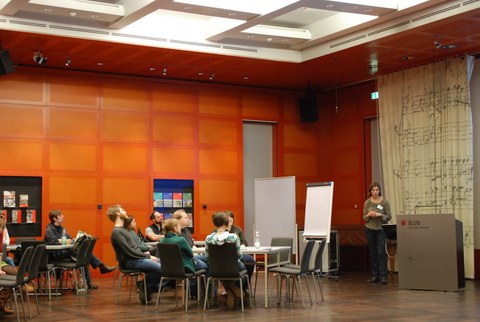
{"points": [[98, 139]]}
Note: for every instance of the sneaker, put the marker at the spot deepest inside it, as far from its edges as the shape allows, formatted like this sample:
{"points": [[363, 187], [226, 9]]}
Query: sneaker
{"points": [[141, 293], [104, 269]]}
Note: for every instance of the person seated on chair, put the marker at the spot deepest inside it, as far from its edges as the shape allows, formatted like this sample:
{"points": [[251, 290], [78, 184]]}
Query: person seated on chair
{"points": [[172, 230], [247, 259], [130, 224], [53, 236], [154, 231], [182, 217], [129, 255], [6, 269], [6, 241], [219, 237]]}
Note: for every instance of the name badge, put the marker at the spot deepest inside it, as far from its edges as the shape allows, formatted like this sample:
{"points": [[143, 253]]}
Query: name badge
{"points": [[380, 207]]}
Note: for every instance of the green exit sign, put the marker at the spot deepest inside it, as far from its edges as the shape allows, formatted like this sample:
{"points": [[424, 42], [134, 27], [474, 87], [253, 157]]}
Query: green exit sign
{"points": [[374, 95]]}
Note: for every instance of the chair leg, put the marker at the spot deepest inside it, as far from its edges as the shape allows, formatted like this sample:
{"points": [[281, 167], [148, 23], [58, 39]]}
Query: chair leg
{"points": [[159, 293], [320, 285], [308, 288], [16, 303], [314, 286], [186, 284], [118, 287], [206, 294]]}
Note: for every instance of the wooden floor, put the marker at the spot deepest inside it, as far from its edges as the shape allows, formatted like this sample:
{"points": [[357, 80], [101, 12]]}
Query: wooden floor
{"points": [[349, 298]]}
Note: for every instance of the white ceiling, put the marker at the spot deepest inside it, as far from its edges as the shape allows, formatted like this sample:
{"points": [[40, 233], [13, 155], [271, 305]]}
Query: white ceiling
{"points": [[282, 30]]}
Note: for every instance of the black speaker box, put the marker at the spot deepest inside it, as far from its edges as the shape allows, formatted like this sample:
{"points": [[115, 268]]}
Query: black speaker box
{"points": [[308, 108], [6, 65]]}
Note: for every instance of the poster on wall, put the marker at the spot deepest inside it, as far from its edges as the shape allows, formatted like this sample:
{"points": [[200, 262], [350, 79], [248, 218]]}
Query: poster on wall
{"points": [[8, 198]]}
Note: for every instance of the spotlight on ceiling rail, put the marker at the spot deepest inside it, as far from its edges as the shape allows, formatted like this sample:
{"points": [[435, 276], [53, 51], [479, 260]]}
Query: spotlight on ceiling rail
{"points": [[39, 57]]}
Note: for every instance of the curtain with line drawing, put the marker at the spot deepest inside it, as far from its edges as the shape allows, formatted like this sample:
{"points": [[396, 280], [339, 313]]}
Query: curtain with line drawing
{"points": [[426, 143]]}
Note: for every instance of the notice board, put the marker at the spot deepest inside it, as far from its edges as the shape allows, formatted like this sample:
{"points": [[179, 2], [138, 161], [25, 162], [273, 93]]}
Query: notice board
{"points": [[318, 210], [275, 208]]}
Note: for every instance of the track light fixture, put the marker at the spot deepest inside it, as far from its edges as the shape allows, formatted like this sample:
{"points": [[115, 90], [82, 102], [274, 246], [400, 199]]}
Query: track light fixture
{"points": [[212, 76], [439, 45], [68, 62], [164, 72], [39, 58]]}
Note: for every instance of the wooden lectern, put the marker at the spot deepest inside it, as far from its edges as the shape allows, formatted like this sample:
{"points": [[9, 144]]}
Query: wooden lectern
{"points": [[430, 252]]}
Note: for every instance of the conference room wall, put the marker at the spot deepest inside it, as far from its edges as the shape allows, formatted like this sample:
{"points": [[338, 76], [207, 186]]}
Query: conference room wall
{"points": [[100, 139]]}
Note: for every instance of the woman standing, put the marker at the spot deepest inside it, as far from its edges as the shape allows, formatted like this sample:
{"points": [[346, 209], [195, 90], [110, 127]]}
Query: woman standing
{"points": [[376, 211]]}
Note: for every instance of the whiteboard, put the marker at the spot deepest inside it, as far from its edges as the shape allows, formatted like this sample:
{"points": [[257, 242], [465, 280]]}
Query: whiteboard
{"points": [[318, 210], [275, 208]]}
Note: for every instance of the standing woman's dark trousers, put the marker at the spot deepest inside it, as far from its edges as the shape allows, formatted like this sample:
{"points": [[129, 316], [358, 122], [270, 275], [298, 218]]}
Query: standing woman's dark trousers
{"points": [[378, 256]]}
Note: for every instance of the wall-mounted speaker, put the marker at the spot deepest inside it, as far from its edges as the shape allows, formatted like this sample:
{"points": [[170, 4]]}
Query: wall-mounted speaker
{"points": [[308, 108], [6, 65]]}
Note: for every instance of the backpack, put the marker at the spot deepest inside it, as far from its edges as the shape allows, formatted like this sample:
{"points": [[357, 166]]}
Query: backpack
{"points": [[79, 239]]}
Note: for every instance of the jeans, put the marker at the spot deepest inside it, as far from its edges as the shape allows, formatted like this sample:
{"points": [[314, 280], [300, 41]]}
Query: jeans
{"points": [[376, 248], [67, 254], [249, 263], [151, 268]]}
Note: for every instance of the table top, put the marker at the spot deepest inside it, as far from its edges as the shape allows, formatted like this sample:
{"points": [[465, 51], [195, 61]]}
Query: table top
{"points": [[253, 250], [48, 247]]}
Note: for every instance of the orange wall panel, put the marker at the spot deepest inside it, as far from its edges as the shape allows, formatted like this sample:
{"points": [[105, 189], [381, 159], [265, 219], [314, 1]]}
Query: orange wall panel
{"points": [[22, 88], [219, 132], [125, 158], [173, 129], [72, 190], [74, 157], [218, 102], [126, 191], [299, 137], [291, 110], [178, 99], [129, 127], [179, 161], [74, 91], [124, 95], [76, 220], [347, 164], [218, 191], [218, 162], [21, 156], [301, 164], [260, 106], [21, 121], [72, 123]]}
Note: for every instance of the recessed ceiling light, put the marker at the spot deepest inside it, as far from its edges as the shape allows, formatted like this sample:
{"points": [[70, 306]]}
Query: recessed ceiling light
{"points": [[152, 69], [329, 6], [251, 36], [100, 63], [245, 77], [94, 16], [232, 14], [47, 10], [200, 73], [285, 40], [72, 13], [269, 39]]}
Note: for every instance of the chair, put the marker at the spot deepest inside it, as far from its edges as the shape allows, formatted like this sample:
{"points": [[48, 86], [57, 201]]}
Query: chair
{"points": [[172, 268], [223, 265], [130, 273], [48, 270], [286, 273], [83, 259], [276, 241], [33, 269], [16, 282]]}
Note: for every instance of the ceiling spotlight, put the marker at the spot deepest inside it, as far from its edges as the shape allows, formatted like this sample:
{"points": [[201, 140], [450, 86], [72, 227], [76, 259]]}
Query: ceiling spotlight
{"points": [[212, 76], [439, 45], [68, 62], [39, 58], [164, 72]]}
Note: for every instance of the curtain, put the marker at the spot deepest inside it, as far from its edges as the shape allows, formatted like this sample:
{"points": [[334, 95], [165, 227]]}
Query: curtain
{"points": [[426, 142]]}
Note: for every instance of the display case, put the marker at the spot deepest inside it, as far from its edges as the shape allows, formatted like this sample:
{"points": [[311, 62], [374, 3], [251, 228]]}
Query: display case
{"points": [[170, 195], [22, 205]]}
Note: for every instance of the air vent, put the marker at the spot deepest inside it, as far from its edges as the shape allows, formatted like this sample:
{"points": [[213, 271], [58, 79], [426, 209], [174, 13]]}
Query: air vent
{"points": [[436, 13], [192, 43], [348, 41], [27, 23], [466, 3], [138, 37], [251, 50], [89, 31], [388, 28]]}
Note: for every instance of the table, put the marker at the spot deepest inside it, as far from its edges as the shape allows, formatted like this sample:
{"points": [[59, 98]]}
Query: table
{"points": [[261, 251], [11, 248]]}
